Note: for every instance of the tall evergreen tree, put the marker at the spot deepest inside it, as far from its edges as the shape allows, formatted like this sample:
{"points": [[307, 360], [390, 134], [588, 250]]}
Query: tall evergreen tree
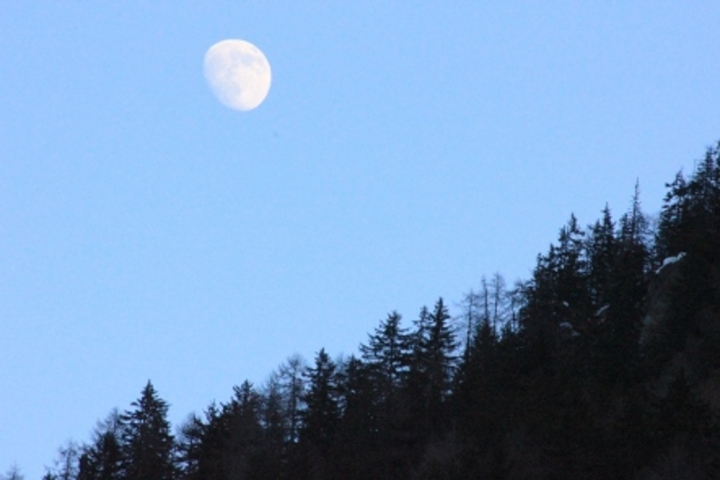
{"points": [[387, 355], [689, 217], [434, 365], [190, 447], [244, 445], [386, 358], [103, 458], [556, 300], [213, 433], [690, 224], [322, 410], [146, 439], [620, 322], [358, 446], [477, 390], [601, 247]]}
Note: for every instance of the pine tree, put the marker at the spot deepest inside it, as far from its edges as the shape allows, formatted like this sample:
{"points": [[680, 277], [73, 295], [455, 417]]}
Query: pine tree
{"points": [[690, 224], [209, 437], [322, 411], [387, 355], [620, 321], [601, 247], [358, 448], [103, 458], [386, 359], [477, 396], [190, 447], [320, 419], [434, 365], [245, 442], [557, 300], [570, 270], [690, 214], [357, 399], [669, 239], [146, 439]]}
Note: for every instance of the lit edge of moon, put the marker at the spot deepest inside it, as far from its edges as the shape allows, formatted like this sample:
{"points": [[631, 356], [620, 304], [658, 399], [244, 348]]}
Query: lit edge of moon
{"points": [[238, 74]]}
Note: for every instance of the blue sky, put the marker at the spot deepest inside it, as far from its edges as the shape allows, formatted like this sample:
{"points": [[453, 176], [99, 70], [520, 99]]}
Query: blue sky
{"points": [[405, 149]]}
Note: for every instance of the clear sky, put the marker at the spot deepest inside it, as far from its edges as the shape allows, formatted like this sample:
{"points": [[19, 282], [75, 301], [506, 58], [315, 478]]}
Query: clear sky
{"points": [[405, 149]]}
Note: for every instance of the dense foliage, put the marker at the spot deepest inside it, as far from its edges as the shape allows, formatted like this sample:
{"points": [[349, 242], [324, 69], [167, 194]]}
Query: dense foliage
{"points": [[604, 364]]}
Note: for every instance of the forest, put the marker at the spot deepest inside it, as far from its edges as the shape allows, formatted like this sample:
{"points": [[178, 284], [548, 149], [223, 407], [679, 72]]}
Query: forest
{"points": [[604, 364]]}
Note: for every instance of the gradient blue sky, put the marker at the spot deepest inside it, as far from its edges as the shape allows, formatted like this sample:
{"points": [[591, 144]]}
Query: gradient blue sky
{"points": [[405, 149]]}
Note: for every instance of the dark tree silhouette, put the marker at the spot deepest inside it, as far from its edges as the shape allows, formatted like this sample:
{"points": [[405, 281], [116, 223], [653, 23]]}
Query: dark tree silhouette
{"points": [[147, 443], [103, 458], [604, 364]]}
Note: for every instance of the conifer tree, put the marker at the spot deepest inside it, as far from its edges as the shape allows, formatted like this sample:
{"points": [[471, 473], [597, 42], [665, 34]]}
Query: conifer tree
{"points": [[620, 321], [321, 414], [214, 432], [434, 364], [246, 437], [387, 355], [689, 217], [358, 436], [386, 359], [146, 439], [601, 247], [690, 224], [103, 458], [477, 389], [557, 299], [190, 448]]}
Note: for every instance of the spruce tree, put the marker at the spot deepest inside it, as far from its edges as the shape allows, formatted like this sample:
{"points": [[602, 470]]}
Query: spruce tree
{"points": [[387, 355], [358, 447], [146, 439], [103, 458], [601, 247], [244, 445], [322, 410], [557, 300], [386, 358], [690, 224], [190, 447], [435, 365], [620, 322]]}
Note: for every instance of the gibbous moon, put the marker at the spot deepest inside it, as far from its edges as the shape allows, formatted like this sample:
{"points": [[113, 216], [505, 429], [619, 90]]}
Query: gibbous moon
{"points": [[238, 74]]}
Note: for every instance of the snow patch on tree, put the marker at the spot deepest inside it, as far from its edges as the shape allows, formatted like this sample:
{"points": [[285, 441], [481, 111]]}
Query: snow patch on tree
{"points": [[670, 260]]}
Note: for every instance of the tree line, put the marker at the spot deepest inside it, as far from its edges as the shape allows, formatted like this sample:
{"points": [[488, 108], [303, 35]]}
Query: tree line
{"points": [[604, 364]]}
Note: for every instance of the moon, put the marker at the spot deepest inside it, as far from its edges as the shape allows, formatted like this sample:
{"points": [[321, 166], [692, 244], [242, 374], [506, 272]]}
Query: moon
{"points": [[238, 74]]}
